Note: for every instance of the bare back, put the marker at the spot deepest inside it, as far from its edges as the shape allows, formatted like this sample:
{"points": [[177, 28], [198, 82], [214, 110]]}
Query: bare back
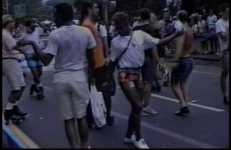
{"points": [[185, 42]]}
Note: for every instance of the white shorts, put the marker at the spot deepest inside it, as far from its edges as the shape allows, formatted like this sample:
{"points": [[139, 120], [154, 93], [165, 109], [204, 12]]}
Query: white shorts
{"points": [[72, 91], [14, 74]]}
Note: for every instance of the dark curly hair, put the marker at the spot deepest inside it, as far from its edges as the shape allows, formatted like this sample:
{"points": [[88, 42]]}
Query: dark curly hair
{"points": [[121, 20]]}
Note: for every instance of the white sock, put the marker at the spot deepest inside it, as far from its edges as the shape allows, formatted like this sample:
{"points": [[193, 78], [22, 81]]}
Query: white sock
{"points": [[40, 84], [9, 106]]}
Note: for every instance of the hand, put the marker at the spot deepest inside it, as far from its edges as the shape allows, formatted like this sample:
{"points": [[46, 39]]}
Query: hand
{"points": [[24, 42]]}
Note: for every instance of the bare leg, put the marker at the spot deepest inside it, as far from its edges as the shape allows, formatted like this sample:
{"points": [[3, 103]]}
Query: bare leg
{"points": [[135, 100], [15, 95], [83, 131], [71, 133], [178, 93], [223, 82], [184, 91], [147, 94]]}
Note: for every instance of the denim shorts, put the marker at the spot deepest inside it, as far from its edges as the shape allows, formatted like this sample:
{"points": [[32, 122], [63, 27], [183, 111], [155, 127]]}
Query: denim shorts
{"points": [[148, 70], [182, 72], [32, 63]]}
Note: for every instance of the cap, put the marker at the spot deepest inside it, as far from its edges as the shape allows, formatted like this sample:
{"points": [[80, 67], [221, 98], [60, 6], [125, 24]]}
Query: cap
{"points": [[6, 19]]}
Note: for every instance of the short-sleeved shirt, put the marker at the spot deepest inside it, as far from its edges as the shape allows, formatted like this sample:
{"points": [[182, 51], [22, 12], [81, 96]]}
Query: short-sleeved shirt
{"points": [[211, 20], [134, 56], [8, 42], [69, 45], [202, 26], [149, 29], [32, 37], [102, 30], [99, 59], [222, 26]]}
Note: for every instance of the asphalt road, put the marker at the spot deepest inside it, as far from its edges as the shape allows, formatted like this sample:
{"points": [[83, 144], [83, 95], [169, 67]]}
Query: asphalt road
{"points": [[206, 127]]}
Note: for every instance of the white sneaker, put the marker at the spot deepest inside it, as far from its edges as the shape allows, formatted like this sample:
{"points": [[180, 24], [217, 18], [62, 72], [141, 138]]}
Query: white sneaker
{"points": [[131, 140], [141, 144]]}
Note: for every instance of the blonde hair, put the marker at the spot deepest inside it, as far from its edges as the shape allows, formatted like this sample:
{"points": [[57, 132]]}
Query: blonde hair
{"points": [[154, 21]]}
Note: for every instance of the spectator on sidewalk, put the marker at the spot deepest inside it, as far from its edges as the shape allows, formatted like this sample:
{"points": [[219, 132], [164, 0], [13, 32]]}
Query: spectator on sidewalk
{"points": [[202, 31]]}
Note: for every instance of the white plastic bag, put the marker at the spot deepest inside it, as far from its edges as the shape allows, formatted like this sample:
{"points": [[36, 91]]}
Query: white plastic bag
{"points": [[98, 107]]}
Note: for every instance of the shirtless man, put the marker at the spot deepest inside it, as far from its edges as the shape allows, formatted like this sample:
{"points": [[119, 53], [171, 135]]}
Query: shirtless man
{"points": [[182, 70]]}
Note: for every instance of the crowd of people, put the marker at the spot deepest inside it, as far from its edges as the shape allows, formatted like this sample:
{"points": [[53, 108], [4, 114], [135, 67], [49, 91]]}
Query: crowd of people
{"points": [[85, 55]]}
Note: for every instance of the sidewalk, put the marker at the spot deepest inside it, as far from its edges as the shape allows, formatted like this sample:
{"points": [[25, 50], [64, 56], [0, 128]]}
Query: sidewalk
{"points": [[204, 57]]}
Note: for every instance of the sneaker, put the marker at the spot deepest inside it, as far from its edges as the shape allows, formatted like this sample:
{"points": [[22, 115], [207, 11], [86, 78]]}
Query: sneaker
{"points": [[149, 111], [131, 140], [182, 111], [141, 144], [226, 101]]}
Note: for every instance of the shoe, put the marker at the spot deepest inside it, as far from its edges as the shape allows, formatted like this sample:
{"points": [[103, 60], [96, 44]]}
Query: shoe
{"points": [[130, 141], [149, 111], [182, 111], [141, 144], [226, 100]]}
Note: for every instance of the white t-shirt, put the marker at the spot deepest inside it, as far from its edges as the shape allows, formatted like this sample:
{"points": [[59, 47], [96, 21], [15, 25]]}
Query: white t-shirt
{"points": [[102, 29], [134, 56], [32, 37], [222, 26], [69, 45], [211, 20]]}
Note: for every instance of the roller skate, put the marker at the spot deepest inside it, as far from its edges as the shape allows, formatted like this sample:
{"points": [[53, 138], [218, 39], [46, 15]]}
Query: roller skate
{"points": [[33, 89], [40, 95], [10, 115], [18, 112]]}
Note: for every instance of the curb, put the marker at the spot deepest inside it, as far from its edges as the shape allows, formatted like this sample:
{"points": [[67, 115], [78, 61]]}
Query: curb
{"points": [[16, 138]]}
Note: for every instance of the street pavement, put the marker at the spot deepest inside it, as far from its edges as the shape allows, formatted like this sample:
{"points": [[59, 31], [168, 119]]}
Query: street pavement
{"points": [[207, 126]]}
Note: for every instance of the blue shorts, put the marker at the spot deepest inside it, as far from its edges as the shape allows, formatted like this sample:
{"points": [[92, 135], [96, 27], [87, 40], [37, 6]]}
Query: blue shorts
{"points": [[33, 64], [148, 70], [182, 72]]}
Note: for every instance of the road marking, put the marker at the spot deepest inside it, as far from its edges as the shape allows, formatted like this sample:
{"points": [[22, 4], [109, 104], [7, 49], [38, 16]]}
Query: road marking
{"points": [[169, 133], [192, 104], [217, 74], [163, 131], [20, 135]]}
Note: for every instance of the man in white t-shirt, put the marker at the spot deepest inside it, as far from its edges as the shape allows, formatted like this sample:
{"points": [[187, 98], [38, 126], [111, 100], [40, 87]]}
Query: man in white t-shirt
{"points": [[32, 33], [71, 46], [222, 27]]}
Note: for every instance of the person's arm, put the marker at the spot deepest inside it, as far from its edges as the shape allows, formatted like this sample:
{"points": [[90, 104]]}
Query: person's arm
{"points": [[48, 54], [168, 39], [103, 33], [90, 57], [221, 32]]}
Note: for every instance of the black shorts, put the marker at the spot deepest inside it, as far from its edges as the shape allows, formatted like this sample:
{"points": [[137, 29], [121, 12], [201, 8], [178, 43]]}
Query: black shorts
{"points": [[182, 72], [148, 70]]}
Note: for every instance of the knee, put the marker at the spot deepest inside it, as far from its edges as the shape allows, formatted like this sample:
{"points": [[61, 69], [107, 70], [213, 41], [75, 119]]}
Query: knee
{"points": [[137, 108]]}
